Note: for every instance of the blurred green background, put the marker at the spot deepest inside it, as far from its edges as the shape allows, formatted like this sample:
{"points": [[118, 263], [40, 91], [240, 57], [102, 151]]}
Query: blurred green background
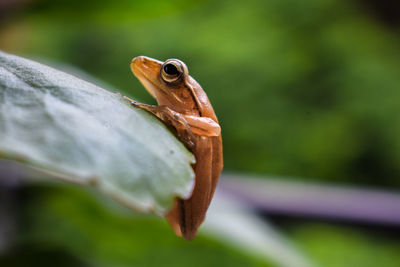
{"points": [[304, 89]]}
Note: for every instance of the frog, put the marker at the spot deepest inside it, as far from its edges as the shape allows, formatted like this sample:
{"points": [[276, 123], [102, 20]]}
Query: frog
{"points": [[183, 105]]}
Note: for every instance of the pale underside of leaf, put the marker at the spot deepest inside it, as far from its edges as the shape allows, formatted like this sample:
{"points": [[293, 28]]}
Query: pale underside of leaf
{"points": [[64, 125]]}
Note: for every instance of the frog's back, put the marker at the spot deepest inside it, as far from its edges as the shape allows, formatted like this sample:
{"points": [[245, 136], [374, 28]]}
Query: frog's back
{"points": [[206, 110], [209, 163]]}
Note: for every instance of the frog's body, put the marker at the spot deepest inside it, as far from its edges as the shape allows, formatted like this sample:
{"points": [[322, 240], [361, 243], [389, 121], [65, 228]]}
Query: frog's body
{"points": [[184, 105]]}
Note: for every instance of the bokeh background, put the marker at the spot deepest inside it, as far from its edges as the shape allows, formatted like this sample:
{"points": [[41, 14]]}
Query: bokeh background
{"points": [[304, 90]]}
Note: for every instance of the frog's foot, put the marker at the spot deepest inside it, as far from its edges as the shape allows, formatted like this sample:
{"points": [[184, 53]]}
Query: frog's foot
{"points": [[127, 98]]}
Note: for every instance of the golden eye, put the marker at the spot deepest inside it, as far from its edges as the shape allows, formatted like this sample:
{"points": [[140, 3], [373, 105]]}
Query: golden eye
{"points": [[171, 71]]}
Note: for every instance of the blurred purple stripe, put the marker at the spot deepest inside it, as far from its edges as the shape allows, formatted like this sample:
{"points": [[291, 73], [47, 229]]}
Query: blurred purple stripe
{"points": [[306, 199]]}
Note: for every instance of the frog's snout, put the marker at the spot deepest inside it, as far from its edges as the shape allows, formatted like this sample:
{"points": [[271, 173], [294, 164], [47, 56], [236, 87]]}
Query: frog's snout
{"points": [[138, 59]]}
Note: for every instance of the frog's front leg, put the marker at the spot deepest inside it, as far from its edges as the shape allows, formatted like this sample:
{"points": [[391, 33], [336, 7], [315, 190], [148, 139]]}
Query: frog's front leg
{"points": [[179, 122], [172, 118], [149, 108]]}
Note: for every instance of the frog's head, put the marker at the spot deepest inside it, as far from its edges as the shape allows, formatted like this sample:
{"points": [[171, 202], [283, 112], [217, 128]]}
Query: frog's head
{"points": [[168, 82]]}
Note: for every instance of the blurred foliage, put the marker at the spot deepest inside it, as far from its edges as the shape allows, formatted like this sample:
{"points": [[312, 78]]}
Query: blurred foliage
{"points": [[64, 226], [333, 246], [301, 88]]}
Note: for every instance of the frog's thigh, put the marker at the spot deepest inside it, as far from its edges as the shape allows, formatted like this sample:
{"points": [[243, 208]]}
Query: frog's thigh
{"points": [[203, 126]]}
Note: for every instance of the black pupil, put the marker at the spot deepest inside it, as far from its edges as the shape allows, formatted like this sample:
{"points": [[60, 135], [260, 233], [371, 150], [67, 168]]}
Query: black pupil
{"points": [[171, 69]]}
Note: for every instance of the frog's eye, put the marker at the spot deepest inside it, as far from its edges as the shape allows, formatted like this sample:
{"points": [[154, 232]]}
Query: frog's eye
{"points": [[171, 71]]}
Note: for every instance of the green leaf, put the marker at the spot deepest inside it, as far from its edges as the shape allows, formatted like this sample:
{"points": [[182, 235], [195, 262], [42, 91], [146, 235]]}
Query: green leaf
{"points": [[79, 132]]}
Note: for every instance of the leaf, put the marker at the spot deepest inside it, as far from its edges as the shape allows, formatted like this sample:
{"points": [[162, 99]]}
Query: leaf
{"points": [[84, 134]]}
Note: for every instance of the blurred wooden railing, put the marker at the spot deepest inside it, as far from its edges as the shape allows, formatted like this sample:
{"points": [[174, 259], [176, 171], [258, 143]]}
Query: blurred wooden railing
{"points": [[322, 201]]}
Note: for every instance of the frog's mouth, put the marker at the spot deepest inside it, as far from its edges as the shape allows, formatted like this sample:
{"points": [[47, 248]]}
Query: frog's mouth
{"points": [[147, 70]]}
